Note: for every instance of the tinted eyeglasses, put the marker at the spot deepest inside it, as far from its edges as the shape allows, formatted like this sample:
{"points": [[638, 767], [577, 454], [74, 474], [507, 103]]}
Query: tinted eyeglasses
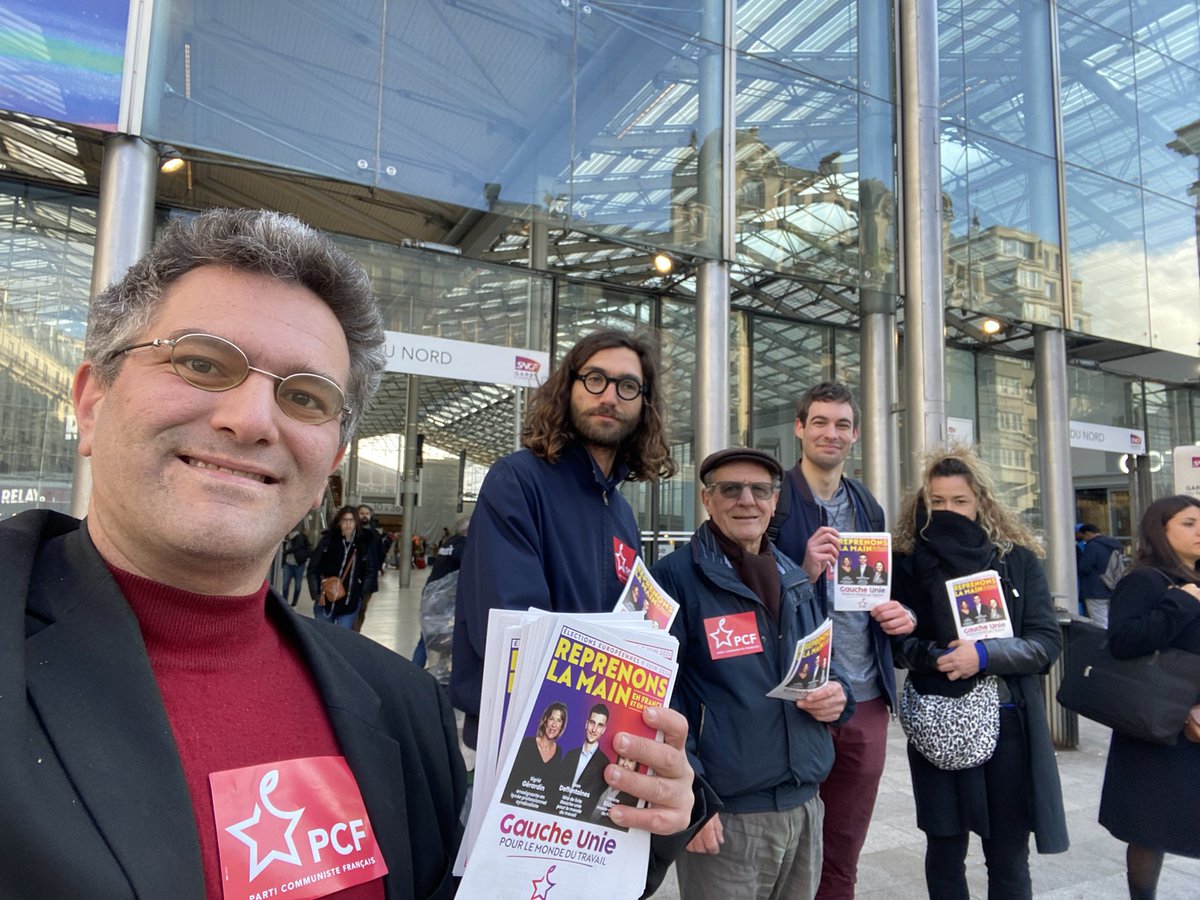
{"points": [[214, 364], [596, 382], [732, 490]]}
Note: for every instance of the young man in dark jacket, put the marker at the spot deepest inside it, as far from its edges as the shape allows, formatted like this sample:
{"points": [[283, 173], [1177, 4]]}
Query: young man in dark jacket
{"points": [[551, 528], [1093, 562], [821, 503], [743, 607]]}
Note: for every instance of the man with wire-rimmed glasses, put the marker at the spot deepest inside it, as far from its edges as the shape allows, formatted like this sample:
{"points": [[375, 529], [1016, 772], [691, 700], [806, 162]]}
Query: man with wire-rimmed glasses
{"points": [[167, 722]]}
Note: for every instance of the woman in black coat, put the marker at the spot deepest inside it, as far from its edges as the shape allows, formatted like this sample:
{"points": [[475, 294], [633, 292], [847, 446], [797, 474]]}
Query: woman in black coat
{"points": [[954, 526], [1151, 794], [347, 552]]}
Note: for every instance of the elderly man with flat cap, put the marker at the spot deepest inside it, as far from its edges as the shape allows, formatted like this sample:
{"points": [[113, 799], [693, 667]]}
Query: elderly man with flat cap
{"points": [[743, 606]]}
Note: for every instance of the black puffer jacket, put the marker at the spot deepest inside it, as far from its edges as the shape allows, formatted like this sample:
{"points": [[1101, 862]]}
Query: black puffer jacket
{"points": [[330, 559]]}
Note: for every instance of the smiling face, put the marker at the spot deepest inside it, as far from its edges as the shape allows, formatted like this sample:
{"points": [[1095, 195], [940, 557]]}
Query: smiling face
{"points": [[554, 724], [192, 488], [745, 519], [827, 435], [594, 729]]}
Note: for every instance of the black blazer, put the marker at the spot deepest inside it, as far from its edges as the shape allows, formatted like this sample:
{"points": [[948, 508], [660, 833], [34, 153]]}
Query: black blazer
{"points": [[93, 800]]}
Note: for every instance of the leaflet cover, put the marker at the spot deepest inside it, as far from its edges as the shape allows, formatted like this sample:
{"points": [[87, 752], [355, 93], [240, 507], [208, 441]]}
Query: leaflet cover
{"points": [[643, 594], [979, 608], [546, 823], [862, 577], [810, 664]]}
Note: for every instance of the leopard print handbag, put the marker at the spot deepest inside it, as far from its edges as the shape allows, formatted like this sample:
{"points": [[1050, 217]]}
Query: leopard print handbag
{"points": [[953, 732]]}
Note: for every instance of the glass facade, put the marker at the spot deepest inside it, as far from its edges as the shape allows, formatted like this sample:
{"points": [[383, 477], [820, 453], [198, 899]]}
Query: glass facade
{"points": [[1070, 148], [593, 115], [1130, 100], [46, 241]]}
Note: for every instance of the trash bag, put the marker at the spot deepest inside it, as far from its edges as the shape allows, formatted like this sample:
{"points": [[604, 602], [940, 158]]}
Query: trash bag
{"points": [[437, 624]]}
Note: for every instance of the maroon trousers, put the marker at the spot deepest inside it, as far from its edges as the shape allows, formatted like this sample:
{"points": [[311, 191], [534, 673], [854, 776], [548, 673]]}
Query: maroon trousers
{"points": [[860, 747]]}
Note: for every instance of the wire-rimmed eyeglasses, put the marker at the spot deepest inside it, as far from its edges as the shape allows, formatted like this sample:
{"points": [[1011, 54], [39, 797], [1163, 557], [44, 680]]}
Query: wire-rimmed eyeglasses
{"points": [[212, 363]]}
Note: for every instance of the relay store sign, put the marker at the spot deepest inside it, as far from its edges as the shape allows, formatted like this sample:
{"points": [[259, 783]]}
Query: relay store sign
{"points": [[296, 828], [1086, 436], [420, 354]]}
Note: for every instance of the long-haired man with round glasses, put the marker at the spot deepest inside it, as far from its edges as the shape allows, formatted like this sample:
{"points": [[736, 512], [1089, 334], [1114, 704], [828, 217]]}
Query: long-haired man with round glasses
{"points": [[551, 529]]}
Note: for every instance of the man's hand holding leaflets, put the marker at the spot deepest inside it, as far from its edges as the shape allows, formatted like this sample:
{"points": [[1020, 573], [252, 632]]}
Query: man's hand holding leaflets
{"points": [[574, 678], [863, 578]]}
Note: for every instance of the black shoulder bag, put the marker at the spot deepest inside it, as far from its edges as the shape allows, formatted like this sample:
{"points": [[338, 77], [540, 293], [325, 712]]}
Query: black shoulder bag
{"points": [[1148, 697]]}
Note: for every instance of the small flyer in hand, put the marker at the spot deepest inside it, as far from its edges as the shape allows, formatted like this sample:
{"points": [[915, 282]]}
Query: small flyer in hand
{"points": [[547, 820], [862, 577], [979, 608], [810, 664], [643, 594]]}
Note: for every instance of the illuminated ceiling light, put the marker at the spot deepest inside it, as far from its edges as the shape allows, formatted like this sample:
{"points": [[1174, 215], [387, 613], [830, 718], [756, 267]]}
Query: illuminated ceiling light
{"points": [[663, 264], [991, 326], [170, 165]]}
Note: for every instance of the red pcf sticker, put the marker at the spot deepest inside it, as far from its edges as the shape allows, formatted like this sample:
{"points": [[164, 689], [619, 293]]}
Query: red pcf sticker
{"points": [[624, 558], [296, 828], [734, 635]]}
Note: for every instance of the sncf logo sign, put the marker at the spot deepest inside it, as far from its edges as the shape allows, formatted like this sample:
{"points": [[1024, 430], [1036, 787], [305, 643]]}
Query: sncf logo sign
{"points": [[526, 369], [735, 635], [524, 364]]}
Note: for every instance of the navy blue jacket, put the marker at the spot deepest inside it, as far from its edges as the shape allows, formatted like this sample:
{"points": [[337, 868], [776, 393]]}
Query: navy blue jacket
{"points": [[804, 517], [544, 535], [758, 753], [1092, 563]]}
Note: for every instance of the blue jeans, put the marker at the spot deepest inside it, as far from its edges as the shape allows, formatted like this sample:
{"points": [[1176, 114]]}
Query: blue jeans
{"points": [[323, 614], [293, 574]]}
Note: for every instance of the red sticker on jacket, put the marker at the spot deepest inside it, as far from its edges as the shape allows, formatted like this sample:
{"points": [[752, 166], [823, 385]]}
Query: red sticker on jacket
{"points": [[296, 828], [734, 635], [624, 557]]}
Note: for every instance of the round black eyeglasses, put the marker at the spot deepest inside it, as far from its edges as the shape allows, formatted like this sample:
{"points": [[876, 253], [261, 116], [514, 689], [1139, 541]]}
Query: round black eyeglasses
{"points": [[596, 382], [212, 363]]}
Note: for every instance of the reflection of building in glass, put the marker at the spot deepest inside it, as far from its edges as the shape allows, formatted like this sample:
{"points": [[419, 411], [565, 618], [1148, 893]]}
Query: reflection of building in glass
{"points": [[1007, 438], [1187, 143], [1012, 274], [37, 423], [790, 218]]}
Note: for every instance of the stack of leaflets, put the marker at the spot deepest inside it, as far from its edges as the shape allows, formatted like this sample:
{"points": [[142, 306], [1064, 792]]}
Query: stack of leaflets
{"points": [[810, 664], [977, 602], [556, 690], [862, 577]]}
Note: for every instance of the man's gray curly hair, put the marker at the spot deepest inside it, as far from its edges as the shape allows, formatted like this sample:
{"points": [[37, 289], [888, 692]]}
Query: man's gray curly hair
{"points": [[248, 240]]}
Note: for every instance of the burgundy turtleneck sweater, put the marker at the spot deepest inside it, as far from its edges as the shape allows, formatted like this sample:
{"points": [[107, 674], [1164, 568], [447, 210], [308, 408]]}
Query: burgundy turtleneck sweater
{"points": [[236, 694]]}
